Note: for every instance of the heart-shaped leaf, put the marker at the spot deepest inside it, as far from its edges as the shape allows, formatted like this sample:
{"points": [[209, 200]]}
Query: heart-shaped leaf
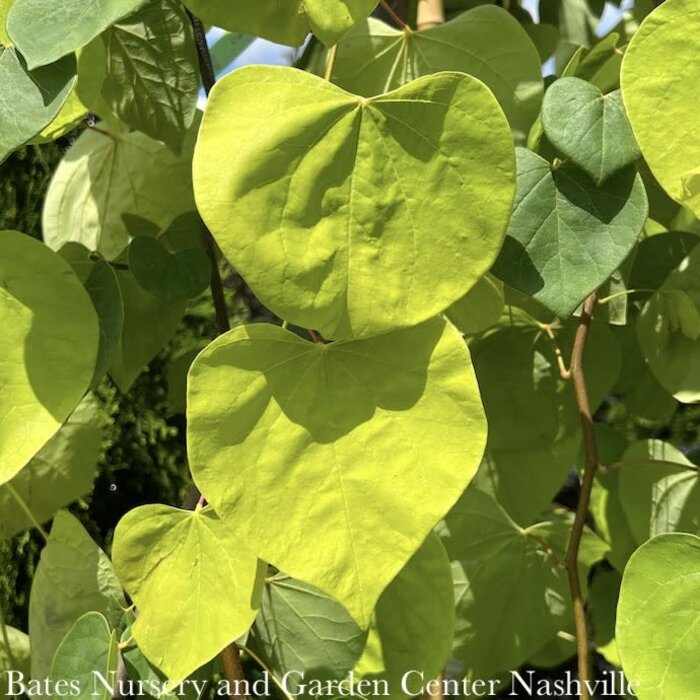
{"points": [[37, 97], [169, 276], [659, 65], [308, 427], [657, 618], [285, 22], [185, 621], [45, 314], [566, 235], [588, 127], [349, 215], [374, 58]]}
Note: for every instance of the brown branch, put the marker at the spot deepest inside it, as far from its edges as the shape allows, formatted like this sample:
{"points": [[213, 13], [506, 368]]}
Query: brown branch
{"points": [[392, 14], [590, 466]]}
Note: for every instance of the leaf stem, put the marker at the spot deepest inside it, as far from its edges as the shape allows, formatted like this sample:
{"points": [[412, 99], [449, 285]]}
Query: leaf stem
{"points": [[392, 14], [563, 371], [656, 462], [27, 511], [6, 640], [330, 62], [590, 466], [264, 667], [623, 293]]}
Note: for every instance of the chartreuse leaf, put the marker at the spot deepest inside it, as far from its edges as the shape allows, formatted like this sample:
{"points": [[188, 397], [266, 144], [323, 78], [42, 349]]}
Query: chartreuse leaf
{"points": [[5, 6], [44, 30], [149, 323], [337, 411], [669, 138], [656, 496], [284, 23], [15, 658], [301, 630], [479, 308], [413, 622], [89, 648], [185, 621], [588, 127], [45, 315], [567, 236], [74, 576], [669, 330], [170, 277], [658, 618], [347, 214], [61, 472], [30, 100], [104, 176], [486, 42], [152, 77], [504, 572]]}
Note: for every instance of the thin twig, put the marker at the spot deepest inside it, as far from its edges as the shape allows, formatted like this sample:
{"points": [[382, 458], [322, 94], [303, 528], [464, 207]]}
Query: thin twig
{"points": [[590, 466], [27, 511], [563, 371], [233, 671], [392, 14], [315, 336]]}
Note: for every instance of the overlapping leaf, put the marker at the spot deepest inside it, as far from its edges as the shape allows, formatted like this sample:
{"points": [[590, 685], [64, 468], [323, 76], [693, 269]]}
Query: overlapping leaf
{"points": [[669, 330], [589, 128], [45, 314], [566, 235], [413, 622], [669, 138], [106, 175], [74, 577], [285, 23], [486, 42], [337, 411], [184, 621], [14, 658], [354, 216], [30, 100], [89, 648], [152, 77], [44, 30], [658, 618], [61, 472]]}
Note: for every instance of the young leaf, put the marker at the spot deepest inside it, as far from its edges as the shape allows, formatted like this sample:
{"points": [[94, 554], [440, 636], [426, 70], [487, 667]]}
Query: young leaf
{"points": [[657, 618], [152, 79], [354, 216], [658, 67], [45, 314], [374, 58], [195, 585], [74, 576], [284, 23], [567, 236], [589, 128], [104, 176], [149, 323], [30, 100], [44, 30], [89, 648], [170, 277], [413, 622], [337, 411], [668, 330], [302, 630], [61, 472]]}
